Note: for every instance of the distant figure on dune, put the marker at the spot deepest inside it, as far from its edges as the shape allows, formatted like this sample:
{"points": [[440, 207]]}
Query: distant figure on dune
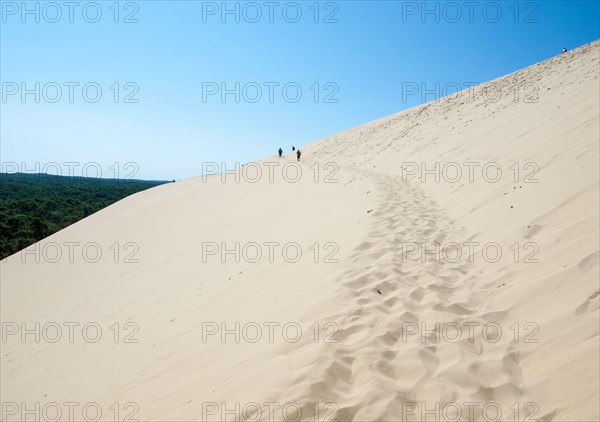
{"points": [[293, 148], [564, 50], [280, 152], [298, 154]]}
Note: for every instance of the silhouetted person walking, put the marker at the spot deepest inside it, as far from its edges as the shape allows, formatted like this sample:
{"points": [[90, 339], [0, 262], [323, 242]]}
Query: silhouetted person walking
{"points": [[293, 148], [298, 154], [280, 152]]}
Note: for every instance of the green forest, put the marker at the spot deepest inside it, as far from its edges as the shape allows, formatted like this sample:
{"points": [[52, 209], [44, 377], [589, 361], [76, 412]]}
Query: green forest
{"points": [[34, 206]]}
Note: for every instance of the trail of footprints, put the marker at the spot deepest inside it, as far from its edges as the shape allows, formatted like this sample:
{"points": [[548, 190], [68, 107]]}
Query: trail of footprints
{"points": [[373, 371], [376, 367]]}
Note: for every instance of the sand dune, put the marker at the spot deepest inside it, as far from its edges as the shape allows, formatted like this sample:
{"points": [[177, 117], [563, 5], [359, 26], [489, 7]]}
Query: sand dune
{"points": [[372, 321]]}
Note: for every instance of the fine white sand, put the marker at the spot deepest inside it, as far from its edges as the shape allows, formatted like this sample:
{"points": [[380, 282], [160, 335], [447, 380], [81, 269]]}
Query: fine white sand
{"points": [[373, 218]]}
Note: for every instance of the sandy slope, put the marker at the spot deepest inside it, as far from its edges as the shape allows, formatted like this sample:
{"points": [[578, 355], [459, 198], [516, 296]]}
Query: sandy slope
{"points": [[377, 210]]}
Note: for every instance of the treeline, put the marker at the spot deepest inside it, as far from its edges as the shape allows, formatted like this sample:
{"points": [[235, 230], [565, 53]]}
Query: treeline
{"points": [[34, 206]]}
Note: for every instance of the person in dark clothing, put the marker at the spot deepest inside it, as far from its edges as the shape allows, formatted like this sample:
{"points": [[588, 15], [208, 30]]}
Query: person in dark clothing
{"points": [[293, 148], [564, 50], [298, 154], [280, 152]]}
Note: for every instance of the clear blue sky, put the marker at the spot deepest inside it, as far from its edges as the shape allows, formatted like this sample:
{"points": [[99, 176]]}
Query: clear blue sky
{"points": [[359, 52]]}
